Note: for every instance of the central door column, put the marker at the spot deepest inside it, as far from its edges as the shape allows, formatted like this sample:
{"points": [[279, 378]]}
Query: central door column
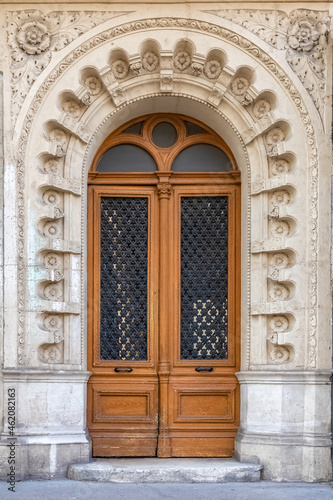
{"points": [[164, 192]]}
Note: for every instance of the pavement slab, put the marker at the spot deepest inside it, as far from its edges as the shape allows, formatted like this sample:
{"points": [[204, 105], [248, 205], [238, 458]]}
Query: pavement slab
{"points": [[85, 490]]}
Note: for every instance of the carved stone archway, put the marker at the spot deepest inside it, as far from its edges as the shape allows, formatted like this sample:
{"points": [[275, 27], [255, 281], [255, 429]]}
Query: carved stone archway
{"points": [[209, 72]]}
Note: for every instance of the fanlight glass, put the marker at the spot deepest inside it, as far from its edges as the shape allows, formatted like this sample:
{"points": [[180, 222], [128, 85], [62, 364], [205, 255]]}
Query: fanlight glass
{"points": [[126, 158], [164, 135], [202, 158]]}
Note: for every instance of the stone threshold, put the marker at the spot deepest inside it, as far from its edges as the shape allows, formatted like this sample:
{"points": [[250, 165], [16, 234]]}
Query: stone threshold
{"points": [[165, 470]]}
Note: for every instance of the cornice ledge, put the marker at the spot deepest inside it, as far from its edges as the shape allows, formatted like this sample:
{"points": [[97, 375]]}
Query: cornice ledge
{"points": [[38, 375], [285, 377]]}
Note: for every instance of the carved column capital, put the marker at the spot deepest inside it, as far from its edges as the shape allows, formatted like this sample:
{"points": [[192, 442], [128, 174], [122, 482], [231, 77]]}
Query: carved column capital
{"points": [[164, 189]]}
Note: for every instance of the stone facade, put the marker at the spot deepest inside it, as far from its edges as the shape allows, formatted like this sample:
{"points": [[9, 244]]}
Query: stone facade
{"points": [[261, 78]]}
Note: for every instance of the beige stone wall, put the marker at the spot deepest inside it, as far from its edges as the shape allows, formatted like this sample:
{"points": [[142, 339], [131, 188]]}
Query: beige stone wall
{"points": [[261, 78]]}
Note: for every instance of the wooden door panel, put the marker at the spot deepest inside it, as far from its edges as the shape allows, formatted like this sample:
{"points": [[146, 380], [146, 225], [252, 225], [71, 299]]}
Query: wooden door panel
{"points": [[204, 444], [123, 390], [124, 443], [119, 402], [208, 404], [204, 405]]}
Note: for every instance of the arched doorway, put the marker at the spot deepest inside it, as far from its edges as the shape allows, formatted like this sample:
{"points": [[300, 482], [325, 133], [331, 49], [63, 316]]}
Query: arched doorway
{"points": [[163, 291]]}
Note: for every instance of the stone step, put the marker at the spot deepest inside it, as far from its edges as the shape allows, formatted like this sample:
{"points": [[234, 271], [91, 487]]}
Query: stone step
{"points": [[165, 470]]}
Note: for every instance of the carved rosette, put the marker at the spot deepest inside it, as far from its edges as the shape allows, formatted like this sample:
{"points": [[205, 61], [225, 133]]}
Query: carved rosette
{"points": [[261, 108], [120, 69], [51, 353], [182, 60], [150, 61], [279, 323], [52, 167], [212, 69], [279, 261], [72, 109], [279, 354], [279, 166]]}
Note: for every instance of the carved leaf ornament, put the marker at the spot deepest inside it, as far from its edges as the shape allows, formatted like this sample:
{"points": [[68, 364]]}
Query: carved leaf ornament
{"points": [[33, 36], [303, 35]]}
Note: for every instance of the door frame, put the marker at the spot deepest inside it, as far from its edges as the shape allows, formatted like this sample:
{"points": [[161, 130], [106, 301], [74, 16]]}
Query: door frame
{"points": [[112, 182]]}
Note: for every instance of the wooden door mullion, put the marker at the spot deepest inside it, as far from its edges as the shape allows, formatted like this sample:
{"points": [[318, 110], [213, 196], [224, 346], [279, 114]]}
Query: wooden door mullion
{"points": [[164, 192]]}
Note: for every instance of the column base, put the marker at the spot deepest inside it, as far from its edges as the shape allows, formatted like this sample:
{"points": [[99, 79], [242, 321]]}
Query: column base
{"points": [[285, 424], [285, 461], [41, 461]]}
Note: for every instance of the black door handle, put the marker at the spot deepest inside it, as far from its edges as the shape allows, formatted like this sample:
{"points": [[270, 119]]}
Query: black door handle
{"points": [[204, 369]]}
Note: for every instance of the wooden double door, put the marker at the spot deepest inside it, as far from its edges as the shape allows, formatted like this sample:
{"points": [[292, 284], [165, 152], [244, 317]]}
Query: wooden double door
{"points": [[163, 312]]}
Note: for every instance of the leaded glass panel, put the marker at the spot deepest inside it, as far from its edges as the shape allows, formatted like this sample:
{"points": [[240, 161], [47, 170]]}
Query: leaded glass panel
{"points": [[123, 299], [204, 277]]}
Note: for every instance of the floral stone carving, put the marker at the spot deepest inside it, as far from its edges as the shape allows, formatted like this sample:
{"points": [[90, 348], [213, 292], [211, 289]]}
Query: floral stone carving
{"points": [[280, 197], [279, 261], [279, 166], [33, 36], [182, 60], [150, 61], [93, 85], [51, 353], [120, 69], [52, 292], [279, 354], [239, 88], [279, 228], [52, 261], [261, 108], [59, 137], [72, 109], [52, 230], [53, 322], [277, 292], [302, 35], [213, 69], [51, 197], [279, 324]]}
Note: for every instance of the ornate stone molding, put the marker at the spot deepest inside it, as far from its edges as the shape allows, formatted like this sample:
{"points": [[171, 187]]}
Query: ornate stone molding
{"points": [[33, 36], [302, 35], [256, 53]]}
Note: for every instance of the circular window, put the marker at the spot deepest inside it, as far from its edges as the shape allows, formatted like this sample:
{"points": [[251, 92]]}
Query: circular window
{"points": [[164, 135]]}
